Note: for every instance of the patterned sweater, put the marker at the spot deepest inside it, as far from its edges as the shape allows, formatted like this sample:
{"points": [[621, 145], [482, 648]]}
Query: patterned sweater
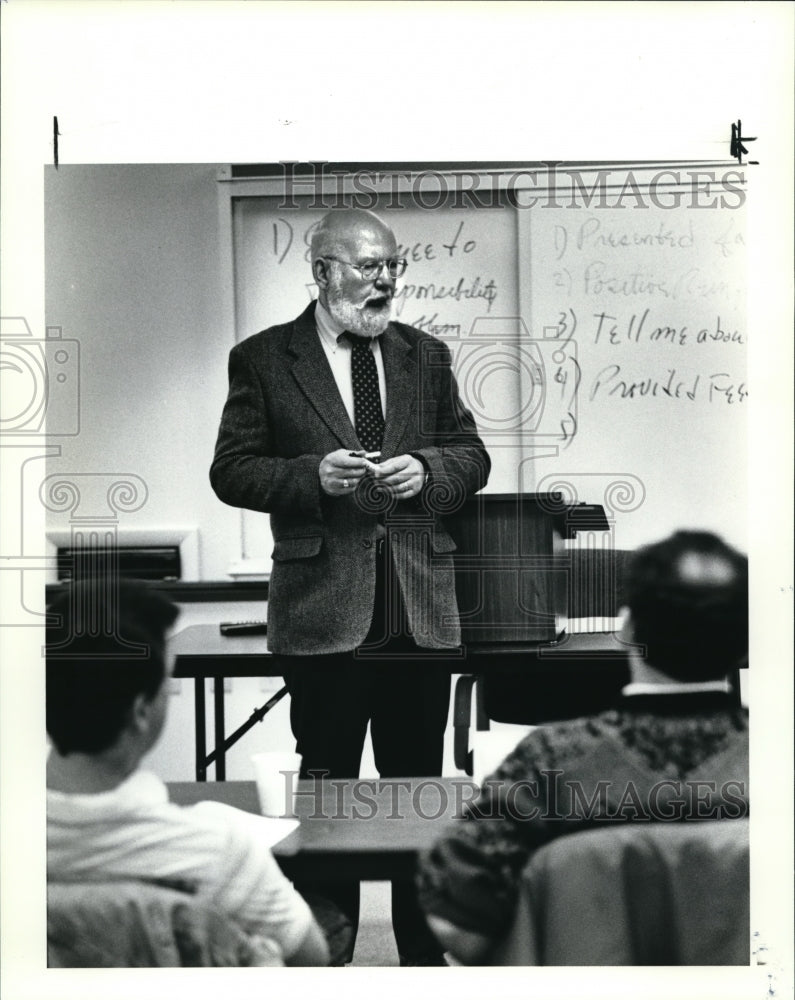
{"points": [[655, 758]]}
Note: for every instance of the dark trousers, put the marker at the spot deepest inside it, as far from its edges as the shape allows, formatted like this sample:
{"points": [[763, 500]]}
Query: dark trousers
{"points": [[406, 700]]}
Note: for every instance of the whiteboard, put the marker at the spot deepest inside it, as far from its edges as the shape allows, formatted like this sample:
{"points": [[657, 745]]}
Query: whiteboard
{"points": [[462, 273], [652, 305], [600, 346]]}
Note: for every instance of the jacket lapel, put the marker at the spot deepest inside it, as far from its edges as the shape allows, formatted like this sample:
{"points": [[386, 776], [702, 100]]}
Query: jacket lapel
{"points": [[400, 371], [313, 375]]}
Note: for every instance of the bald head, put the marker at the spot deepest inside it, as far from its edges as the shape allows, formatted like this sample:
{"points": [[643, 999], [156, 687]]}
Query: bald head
{"points": [[339, 233]]}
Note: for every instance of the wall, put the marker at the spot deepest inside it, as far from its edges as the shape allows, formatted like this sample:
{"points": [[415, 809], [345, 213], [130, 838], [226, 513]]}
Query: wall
{"points": [[132, 274]]}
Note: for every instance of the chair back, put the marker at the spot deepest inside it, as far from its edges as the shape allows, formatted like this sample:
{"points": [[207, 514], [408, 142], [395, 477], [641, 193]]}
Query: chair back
{"points": [[636, 894], [133, 924]]}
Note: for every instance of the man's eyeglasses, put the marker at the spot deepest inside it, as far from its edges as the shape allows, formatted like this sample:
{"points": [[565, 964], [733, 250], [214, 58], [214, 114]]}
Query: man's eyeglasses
{"points": [[396, 266]]}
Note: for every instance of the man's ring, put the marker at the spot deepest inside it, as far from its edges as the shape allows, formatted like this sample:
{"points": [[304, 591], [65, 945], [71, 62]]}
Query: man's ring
{"points": [[345, 483]]}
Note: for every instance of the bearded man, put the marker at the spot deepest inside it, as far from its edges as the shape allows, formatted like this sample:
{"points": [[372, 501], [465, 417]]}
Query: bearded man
{"points": [[349, 431]]}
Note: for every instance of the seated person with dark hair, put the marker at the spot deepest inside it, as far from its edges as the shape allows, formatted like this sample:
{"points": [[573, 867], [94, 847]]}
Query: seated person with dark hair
{"points": [[109, 820], [686, 617]]}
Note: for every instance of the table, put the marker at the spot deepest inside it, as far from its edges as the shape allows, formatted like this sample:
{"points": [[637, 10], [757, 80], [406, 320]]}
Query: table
{"points": [[201, 651], [359, 829]]}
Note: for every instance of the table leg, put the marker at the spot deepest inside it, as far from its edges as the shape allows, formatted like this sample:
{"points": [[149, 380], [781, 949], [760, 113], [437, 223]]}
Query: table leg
{"points": [[201, 739], [220, 751]]}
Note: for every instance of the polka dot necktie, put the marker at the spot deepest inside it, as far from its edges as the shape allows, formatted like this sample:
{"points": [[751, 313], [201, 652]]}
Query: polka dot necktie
{"points": [[368, 415]]}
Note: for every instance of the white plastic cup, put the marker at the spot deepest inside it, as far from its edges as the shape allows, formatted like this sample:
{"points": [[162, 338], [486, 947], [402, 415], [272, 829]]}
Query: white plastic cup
{"points": [[276, 774]]}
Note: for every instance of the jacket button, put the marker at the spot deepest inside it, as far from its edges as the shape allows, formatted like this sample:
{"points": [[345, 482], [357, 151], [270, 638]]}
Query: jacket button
{"points": [[367, 543]]}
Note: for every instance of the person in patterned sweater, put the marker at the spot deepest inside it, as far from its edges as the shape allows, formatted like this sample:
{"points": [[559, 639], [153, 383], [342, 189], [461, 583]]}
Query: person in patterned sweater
{"points": [[674, 748]]}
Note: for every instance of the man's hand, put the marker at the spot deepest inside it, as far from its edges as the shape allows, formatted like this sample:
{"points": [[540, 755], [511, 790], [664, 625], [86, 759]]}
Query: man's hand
{"points": [[403, 475], [340, 472]]}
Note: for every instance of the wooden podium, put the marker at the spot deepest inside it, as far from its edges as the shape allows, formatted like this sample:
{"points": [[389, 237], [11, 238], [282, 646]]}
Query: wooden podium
{"points": [[510, 578]]}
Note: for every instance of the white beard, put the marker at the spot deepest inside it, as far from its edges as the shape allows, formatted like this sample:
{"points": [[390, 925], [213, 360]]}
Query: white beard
{"points": [[364, 320]]}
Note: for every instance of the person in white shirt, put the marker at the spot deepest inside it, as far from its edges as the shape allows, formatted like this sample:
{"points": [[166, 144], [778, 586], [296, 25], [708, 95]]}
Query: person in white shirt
{"points": [[106, 817]]}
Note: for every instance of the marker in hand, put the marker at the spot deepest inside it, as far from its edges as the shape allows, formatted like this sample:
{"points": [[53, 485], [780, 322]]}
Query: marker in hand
{"points": [[374, 457]]}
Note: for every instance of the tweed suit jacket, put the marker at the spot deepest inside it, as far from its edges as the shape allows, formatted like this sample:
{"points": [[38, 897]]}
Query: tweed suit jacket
{"points": [[282, 415]]}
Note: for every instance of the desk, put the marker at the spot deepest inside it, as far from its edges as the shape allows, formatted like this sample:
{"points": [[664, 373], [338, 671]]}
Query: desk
{"points": [[358, 829], [201, 651]]}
